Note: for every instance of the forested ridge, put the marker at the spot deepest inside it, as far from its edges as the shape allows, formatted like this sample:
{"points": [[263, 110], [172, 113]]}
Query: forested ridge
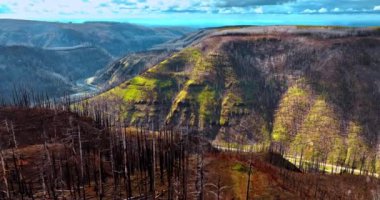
{"points": [[313, 93]]}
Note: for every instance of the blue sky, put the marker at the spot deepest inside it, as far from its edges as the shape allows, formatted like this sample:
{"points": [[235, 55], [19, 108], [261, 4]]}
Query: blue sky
{"points": [[199, 12]]}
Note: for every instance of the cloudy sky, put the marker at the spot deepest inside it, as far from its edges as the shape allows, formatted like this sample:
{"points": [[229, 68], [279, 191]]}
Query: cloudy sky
{"points": [[198, 12]]}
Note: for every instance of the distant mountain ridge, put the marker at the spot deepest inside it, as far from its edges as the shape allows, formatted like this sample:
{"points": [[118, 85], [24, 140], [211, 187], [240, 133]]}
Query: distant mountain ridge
{"points": [[47, 71], [116, 38], [51, 57]]}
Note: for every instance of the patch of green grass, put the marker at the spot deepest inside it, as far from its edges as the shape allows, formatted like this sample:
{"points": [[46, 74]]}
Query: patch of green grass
{"points": [[202, 66], [181, 96], [191, 83], [246, 147], [151, 83], [207, 103], [174, 64], [240, 168], [178, 62], [279, 133], [318, 136], [297, 92], [134, 93], [293, 106], [230, 100], [142, 81], [141, 87]]}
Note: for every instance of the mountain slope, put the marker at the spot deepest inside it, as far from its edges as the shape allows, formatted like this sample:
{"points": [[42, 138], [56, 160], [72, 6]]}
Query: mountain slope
{"points": [[291, 85], [54, 57], [58, 145], [135, 63], [128, 67], [47, 71]]}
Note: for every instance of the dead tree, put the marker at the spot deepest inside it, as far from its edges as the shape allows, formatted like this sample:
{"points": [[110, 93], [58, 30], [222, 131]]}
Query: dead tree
{"points": [[249, 180], [5, 179]]}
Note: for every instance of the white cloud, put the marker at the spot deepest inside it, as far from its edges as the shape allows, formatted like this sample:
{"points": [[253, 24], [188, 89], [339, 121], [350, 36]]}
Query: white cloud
{"points": [[73, 9], [232, 10], [123, 9], [239, 10], [309, 11], [322, 10], [259, 10], [351, 10], [224, 11]]}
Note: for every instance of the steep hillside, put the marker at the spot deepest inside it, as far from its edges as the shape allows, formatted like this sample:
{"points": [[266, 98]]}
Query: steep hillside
{"points": [[56, 154], [134, 64], [32, 127], [60, 55], [47, 71], [311, 88], [128, 67]]}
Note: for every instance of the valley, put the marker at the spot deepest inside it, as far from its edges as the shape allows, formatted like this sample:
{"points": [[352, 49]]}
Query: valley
{"points": [[51, 57], [280, 112]]}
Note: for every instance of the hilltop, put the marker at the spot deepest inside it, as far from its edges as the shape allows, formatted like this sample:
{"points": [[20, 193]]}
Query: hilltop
{"points": [[312, 90]]}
